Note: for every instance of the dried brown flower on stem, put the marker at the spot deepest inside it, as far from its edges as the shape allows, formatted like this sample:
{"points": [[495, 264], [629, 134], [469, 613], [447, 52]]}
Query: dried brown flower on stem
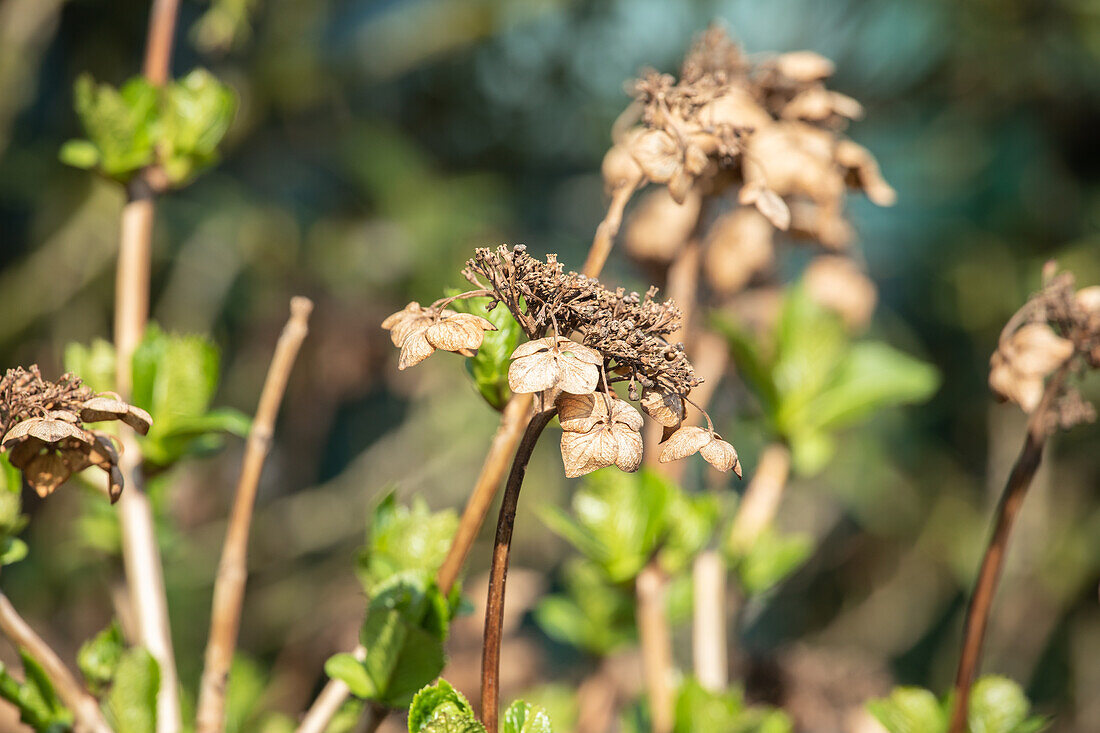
{"points": [[1055, 334], [43, 430]]}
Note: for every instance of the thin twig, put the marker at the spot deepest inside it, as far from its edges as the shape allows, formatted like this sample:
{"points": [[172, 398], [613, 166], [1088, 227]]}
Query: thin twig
{"points": [[225, 617], [708, 628], [656, 642], [606, 231], [328, 703], [140, 554], [85, 709], [1039, 427], [498, 573], [760, 502]]}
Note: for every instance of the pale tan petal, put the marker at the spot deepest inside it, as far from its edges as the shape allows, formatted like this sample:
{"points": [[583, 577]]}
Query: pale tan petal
{"points": [[804, 66], [658, 155], [767, 202], [581, 413], [414, 350], [54, 431], [865, 173], [719, 454], [658, 227], [1038, 351], [535, 373], [101, 408], [138, 419], [463, 331], [624, 413], [679, 186], [685, 441], [629, 448], [1088, 299], [394, 318], [583, 453], [666, 408], [527, 348], [580, 352], [401, 323], [576, 377]]}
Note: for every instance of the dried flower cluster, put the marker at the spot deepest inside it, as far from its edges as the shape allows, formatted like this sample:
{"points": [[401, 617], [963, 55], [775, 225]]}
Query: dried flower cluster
{"points": [[583, 338], [43, 430], [1057, 329], [742, 149]]}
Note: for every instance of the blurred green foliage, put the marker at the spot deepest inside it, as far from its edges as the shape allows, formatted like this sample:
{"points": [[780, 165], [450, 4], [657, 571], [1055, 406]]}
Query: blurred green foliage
{"points": [[997, 705], [439, 708], [35, 698]]}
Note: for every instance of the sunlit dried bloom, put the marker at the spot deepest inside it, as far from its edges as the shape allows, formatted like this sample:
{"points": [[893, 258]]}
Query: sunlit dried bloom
{"points": [[838, 284], [739, 246], [554, 361], [1056, 332], [598, 430], [419, 331], [659, 227], [44, 433], [704, 441], [665, 408]]}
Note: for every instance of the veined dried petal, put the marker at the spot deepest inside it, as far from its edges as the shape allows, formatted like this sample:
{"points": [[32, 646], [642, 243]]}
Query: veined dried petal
{"points": [[47, 430], [401, 323], [580, 413], [665, 408], [414, 349], [721, 455], [583, 453], [628, 444], [108, 406], [623, 413], [658, 155], [458, 332], [46, 472], [534, 373], [685, 441], [554, 361]]}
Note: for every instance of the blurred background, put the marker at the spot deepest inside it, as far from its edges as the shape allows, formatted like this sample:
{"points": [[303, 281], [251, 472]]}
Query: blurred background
{"points": [[379, 142]]}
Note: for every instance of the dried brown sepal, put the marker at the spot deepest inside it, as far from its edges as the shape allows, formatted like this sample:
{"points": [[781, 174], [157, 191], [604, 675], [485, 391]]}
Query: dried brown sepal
{"points": [[691, 439], [459, 332], [419, 331], [739, 246], [109, 406], [665, 408], [599, 431], [768, 203], [1020, 365], [659, 227], [554, 361]]}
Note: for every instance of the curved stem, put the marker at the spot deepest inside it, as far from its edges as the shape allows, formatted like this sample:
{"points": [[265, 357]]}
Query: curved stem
{"points": [[606, 231], [225, 616], [1039, 427], [498, 574]]}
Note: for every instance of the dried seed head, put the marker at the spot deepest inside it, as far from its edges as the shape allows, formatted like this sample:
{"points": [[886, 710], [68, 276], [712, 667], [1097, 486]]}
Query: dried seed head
{"points": [[44, 434]]}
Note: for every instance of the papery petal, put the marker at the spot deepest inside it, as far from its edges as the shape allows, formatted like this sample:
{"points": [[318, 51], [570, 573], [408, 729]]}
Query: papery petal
{"points": [[527, 348], [1037, 351], [576, 377], [719, 454], [579, 351], [459, 332], [46, 472], [685, 441], [629, 446], [804, 66], [414, 350], [624, 413], [534, 373], [666, 408], [658, 155], [583, 453], [581, 413]]}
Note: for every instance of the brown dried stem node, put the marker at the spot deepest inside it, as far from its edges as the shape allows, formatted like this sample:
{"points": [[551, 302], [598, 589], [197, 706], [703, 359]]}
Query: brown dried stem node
{"points": [[229, 585]]}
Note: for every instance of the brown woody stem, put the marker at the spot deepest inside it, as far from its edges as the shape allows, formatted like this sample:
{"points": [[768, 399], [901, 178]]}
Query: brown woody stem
{"points": [[225, 617], [656, 641], [85, 709], [498, 574], [1039, 427], [606, 231]]}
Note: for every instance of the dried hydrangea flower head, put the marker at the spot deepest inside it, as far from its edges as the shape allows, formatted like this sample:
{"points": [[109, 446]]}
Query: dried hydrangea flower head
{"points": [[419, 331], [583, 338], [1057, 332], [43, 429]]}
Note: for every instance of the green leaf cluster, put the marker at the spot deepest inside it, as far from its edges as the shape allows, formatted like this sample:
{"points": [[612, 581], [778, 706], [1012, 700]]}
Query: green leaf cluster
{"points": [[137, 125], [488, 368], [131, 703], [99, 657], [591, 614], [440, 708], [771, 558], [407, 618], [404, 539], [37, 701], [621, 519], [997, 705], [174, 377], [699, 710], [12, 519], [812, 379]]}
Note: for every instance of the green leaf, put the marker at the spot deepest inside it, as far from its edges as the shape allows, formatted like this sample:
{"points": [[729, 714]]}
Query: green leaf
{"points": [[489, 367], [523, 717], [592, 615], [998, 705], [751, 362], [402, 539], [99, 657], [94, 364], [12, 550], [33, 707], [197, 113], [132, 702], [79, 154], [699, 710], [872, 376], [351, 672], [120, 125], [811, 451], [440, 697], [771, 559], [620, 519], [37, 679], [691, 521], [910, 710], [243, 694]]}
